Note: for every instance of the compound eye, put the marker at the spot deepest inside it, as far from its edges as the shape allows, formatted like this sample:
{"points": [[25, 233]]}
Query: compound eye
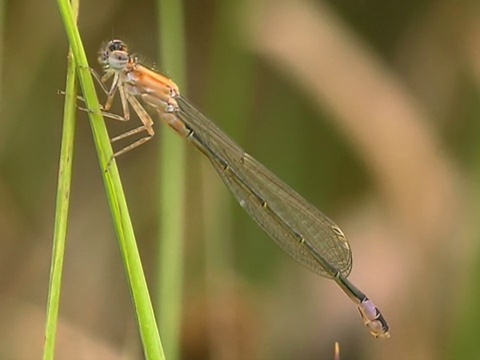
{"points": [[117, 45]]}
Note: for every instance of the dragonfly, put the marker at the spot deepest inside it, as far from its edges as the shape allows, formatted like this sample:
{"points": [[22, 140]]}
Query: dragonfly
{"points": [[298, 227]]}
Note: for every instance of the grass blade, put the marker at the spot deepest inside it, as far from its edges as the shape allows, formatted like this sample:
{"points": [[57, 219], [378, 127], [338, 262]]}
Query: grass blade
{"points": [[172, 186], [62, 206], [152, 345]]}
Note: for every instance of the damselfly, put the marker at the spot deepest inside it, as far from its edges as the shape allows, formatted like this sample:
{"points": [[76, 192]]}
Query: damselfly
{"points": [[298, 227]]}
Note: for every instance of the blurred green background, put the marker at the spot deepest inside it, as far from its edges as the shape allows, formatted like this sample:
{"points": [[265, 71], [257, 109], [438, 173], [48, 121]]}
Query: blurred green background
{"points": [[370, 109]]}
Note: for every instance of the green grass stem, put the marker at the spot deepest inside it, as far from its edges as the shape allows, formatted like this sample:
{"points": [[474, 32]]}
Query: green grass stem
{"points": [[172, 175], [62, 206], [152, 345]]}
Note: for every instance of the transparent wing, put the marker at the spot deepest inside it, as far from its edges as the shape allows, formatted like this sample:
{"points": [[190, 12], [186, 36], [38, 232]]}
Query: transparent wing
{"points": [[281, 212]]}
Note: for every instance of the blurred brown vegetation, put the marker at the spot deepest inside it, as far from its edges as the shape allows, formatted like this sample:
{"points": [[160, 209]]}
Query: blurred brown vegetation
{"points": [[368, 108]]}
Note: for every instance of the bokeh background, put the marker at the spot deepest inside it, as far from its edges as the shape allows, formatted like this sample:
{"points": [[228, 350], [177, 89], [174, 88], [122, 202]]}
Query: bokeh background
{"points": [[368, 108]]}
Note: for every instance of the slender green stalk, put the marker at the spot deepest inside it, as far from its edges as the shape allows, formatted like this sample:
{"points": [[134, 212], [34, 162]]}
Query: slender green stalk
{"points": [[172, 186], [231, 109], [152, 345], [62, 206]]}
